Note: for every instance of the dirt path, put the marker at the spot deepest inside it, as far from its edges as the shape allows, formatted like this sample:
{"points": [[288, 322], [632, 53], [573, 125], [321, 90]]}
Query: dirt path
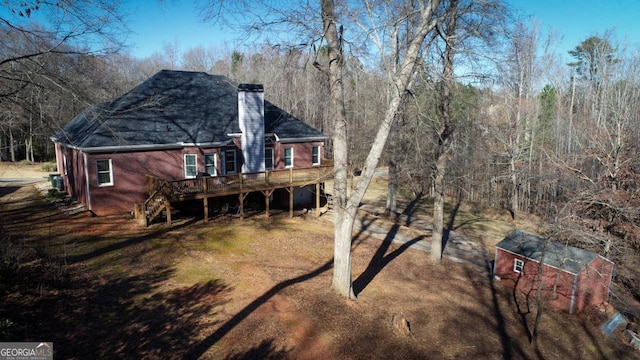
{"points": [[458, 247]]}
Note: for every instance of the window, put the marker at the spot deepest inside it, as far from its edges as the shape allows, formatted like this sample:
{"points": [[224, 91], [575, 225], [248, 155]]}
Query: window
{"points": [[288, 157], [230, 162], [268, 158], [64, 163], [210, 164], [190, 165], [105, 173], [315, 155], [518, 265]]}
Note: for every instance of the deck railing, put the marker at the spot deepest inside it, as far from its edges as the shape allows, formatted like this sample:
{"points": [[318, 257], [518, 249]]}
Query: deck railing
{"points": [[236, 183]]}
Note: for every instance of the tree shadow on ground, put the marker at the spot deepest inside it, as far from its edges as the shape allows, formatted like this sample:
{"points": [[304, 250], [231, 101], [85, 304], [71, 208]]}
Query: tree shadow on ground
{"points": [[112, 316], [265, 351], [381, 259], [125, 243], [450, 225], [197, 350]]}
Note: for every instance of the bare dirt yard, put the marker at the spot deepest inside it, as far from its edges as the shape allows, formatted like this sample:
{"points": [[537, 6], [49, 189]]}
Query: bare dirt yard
{"points": [[259, 288]]}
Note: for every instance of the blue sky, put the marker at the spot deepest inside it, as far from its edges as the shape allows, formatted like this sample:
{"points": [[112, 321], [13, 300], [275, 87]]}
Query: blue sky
{"points": [[574, 21], [155, 23]]}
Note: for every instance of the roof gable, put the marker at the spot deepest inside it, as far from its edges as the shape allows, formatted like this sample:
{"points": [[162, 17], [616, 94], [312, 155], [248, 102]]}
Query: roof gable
{"points": [[174, 108], [561, 256]]}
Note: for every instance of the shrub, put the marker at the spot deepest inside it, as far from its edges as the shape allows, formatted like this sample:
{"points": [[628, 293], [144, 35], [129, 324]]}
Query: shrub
{"points": [[49, 167]]}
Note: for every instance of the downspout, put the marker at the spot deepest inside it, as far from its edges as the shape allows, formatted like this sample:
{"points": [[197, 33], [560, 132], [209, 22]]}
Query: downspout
{"points": [[86, 176], [573, 294], [610, 280], [495, 263]]}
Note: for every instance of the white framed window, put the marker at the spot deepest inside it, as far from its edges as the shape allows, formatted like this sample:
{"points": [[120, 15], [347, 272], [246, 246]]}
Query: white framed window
{"points": [[190, 165], [315, 155], [104, 172], [211, 164], [268, 158], [518, 265], [230, 162], [288, 157]]}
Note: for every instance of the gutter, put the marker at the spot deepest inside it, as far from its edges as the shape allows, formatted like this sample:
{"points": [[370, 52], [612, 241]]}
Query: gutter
{"points": [[111, 149], [286, 140], [303, 139]]}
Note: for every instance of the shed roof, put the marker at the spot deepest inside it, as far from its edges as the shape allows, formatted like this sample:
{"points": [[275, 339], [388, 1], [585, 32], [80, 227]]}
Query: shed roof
{"points": [[174, 108], [567, 258]]}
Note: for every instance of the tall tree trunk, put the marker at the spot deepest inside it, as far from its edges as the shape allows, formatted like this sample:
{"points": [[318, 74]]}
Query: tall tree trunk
{"points": [[345, 209], [514, 187], [392, 182], [343, 215], [12, 150], [539, 298], [438, 210], [445, 132]]}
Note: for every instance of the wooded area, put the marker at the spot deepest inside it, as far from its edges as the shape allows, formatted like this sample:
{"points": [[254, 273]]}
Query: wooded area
{"points": [[512, 129]]}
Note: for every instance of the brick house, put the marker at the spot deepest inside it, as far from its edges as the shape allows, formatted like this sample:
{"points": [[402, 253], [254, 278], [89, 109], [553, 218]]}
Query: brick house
{"points": [[178, 126]]}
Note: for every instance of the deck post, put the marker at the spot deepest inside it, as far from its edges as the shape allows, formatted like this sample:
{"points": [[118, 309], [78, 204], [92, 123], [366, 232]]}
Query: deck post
{"points": [[318, 198], [291, 201], [241, 198], [267, 201], [205, 203], [168, 210]]}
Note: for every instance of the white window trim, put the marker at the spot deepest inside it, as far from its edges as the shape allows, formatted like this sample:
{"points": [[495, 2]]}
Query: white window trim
{"points": [[215, 163], [265, 156], [235, 163], [284, 155], [186, 176], [313, 162], [518, 265], [110, 183]]}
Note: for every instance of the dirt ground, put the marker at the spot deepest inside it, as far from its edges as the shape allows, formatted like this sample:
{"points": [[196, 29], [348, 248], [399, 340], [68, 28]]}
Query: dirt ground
{"points": [[258, 288]]}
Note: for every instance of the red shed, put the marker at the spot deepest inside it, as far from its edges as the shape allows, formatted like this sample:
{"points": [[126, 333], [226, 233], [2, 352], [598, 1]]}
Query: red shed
{"points": [[573, 279]]}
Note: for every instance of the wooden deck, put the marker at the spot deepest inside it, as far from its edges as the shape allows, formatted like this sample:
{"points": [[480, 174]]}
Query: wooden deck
{"points": [[164, 192]]}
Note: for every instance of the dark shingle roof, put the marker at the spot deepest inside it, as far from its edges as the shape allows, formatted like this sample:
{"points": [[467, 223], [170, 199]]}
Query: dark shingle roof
{"points": [[173, 108], [564, 257]]}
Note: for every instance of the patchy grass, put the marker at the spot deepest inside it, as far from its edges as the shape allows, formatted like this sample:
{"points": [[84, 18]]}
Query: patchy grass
{"points": [[260, 288]]}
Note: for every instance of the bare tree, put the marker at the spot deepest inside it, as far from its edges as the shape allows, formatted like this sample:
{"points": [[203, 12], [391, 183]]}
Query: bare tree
{"points": [[464, 21], [43, 63], [333, 34]]}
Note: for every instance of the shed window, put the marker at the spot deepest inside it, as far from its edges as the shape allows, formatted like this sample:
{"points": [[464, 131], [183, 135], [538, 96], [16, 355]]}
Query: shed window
{"points": [[190, 165], [105, 172], [315, 155], [518, 265]]}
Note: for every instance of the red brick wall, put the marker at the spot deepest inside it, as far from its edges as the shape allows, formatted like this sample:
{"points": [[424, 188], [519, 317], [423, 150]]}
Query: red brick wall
{"points": [[302, 156], [129, 170], [556, 285], [593, 284]]}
